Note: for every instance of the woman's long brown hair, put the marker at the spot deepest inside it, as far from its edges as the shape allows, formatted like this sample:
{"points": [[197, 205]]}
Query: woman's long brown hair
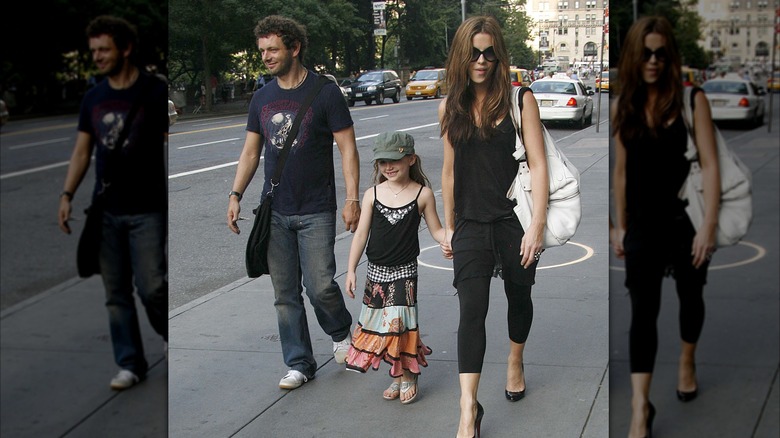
{"points": [[630, 120], [458, 122]]}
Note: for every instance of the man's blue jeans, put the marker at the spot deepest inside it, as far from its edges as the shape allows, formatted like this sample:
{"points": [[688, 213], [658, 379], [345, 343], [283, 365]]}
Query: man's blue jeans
{"points": [[133, 254], [300, 254]]}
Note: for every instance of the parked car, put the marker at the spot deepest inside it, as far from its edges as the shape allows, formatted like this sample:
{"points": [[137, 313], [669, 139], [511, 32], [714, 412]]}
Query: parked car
{"points": [[564, 99], [602, 81], [734, 98], [3, 113], [375, 86], [172, 114], [520, 77], [425, 83], [773, 83], [335, 81]]}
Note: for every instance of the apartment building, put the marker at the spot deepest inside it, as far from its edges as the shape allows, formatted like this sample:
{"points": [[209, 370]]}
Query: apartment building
{"points": [[569, 31], [739, 32]]}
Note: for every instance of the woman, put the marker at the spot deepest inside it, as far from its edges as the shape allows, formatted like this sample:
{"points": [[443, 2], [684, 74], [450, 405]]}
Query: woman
{"points": [[653, 233], [482, 230]]}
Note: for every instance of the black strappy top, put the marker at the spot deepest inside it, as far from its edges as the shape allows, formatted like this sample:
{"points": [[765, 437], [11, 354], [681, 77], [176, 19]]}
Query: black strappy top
{"points": [[393, 240]]}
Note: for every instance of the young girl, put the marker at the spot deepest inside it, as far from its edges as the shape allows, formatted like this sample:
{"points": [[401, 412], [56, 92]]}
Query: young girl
{"points": [[389, 221]]}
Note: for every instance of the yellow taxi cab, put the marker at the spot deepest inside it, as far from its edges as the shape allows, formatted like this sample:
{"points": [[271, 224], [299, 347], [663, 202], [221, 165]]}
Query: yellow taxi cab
{"points": [[602, 81], [691, 76], [519, 77], [428, 82], [773, 83]]}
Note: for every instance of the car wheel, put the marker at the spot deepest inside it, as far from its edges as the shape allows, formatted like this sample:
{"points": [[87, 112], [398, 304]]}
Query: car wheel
{"points": [[590, 118], [397, 95], [582, 121], [380, 98], [408, 97], [438, 94], [351, 102], [368, 101]]}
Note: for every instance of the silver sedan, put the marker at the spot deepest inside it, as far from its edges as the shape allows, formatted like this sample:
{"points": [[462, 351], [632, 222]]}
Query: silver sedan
{"points": [[735, 99], [564, 99]]}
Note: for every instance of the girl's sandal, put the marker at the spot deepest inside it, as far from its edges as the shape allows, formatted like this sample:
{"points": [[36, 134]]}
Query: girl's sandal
{"points": [[406, 386], [392, 392]]}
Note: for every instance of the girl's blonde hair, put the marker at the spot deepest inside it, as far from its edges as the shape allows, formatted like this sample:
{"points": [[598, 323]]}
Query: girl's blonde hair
{"points": [[416, 173], [458, 122]]}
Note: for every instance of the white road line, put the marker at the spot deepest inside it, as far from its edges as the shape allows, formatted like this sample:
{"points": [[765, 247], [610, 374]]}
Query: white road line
{"points": [[33, 170], [193, 172], [209, 143], [39, 143], [377, 117], [588, 254]]}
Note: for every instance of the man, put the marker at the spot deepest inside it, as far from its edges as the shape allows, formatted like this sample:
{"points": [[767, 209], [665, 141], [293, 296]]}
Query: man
{"points": [[131, 186], [302, 237]]}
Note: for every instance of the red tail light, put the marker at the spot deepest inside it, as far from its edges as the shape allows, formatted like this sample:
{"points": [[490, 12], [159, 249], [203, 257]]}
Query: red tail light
{"points": [[572, 102], [744, 102], [515, 83]]}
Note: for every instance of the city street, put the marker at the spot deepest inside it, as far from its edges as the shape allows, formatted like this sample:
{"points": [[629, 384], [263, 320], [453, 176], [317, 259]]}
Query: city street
{"points": [[205, 255]]}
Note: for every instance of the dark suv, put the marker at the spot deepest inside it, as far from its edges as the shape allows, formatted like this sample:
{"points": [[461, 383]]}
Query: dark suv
{"points": [[375, 85]]}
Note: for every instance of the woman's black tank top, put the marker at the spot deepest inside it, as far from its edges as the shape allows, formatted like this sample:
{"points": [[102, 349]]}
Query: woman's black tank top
{"points": [[483, 172]]}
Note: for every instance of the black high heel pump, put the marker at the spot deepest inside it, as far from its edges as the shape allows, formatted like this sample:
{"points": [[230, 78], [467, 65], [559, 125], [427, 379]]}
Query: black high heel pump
{"points": [[650, 418], [515, 396], [478, 420]]}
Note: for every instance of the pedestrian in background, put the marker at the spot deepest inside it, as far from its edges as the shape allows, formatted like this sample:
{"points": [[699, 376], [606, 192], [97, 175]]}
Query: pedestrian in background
{"points": [[653, 232], [484, 233], [389, 221], [135, 201], [303, 229]]}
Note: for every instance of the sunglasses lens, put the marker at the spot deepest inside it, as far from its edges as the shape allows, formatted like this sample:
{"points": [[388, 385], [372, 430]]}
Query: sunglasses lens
{"points": [[490, 55], [660, 54], [475, 54]]}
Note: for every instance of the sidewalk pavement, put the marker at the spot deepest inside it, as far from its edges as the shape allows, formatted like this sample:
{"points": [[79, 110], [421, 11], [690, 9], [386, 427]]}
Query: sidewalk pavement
{"points": [[57, 363]]}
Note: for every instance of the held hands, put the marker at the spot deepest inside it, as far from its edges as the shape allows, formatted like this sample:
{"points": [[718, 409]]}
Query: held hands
{"points": [[446, 245], [531, 245]]}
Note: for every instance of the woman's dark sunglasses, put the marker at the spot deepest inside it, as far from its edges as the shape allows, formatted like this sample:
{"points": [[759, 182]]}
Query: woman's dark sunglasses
{"points": [[660, 54], [490, 55]]}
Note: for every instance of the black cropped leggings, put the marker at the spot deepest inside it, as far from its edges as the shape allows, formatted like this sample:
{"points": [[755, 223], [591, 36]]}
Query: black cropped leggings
{"points": [[474, 294], [645, 271]]}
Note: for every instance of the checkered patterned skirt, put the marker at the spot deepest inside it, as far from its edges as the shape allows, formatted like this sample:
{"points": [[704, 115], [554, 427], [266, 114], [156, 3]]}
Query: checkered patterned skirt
{"points": [[387, 327]]}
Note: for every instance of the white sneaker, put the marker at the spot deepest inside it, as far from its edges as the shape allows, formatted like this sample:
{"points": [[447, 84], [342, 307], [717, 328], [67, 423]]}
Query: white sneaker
{"points": [[123, 380], [340, 349], [293, 379]]}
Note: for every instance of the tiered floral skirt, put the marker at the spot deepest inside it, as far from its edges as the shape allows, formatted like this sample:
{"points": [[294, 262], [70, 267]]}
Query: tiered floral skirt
{"points": [[387, 328]]}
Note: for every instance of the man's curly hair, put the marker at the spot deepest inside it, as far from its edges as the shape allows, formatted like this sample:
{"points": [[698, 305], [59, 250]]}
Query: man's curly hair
{"points": [[120, 30], [289, 30]]}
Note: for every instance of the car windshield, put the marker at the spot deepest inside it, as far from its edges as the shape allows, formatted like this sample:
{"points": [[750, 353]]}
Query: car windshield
{"points": [[425, 76], [370, 77], [553, 87], [725, 87]]}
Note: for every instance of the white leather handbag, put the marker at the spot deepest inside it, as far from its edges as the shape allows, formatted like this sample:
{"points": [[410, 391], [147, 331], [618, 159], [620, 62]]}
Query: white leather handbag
{"points": [[564, 208], [736, 200]]}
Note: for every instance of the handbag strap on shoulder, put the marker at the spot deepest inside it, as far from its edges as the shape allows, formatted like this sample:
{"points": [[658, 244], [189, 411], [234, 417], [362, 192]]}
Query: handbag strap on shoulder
{"points": [[293, 133]]}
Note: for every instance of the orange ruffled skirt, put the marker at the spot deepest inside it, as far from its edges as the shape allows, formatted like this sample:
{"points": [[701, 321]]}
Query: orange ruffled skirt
{"points": [[387, 329]]}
